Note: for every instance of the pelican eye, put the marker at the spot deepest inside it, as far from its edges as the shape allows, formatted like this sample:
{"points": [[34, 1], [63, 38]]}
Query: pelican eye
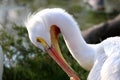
{"points": [[42, 42]]}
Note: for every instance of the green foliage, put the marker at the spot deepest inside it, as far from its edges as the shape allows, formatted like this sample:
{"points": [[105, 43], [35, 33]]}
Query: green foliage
{"points": [[32, 63]]}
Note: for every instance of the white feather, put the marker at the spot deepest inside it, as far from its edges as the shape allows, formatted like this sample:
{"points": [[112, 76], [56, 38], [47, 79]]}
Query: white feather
{"points": [[98, 58]]}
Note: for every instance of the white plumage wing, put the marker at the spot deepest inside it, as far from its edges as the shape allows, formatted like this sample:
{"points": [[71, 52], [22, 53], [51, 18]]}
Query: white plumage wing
{"points": [[111, 68]]}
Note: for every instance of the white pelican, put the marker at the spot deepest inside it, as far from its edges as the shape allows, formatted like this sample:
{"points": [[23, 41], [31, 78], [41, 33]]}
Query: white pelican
{"points": [[1, 63], [102, 59]]}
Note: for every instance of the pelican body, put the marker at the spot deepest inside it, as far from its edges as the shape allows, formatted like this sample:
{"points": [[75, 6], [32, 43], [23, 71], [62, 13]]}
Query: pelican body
{"points": [[101, 59]]}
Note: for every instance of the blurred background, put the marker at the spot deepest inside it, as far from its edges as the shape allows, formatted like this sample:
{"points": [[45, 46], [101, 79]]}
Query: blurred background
{"points": [[22, 60]]}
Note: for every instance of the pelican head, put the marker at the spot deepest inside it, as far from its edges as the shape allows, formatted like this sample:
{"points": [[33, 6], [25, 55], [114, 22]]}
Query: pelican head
{"points": [[43, 32], [37, 32]]}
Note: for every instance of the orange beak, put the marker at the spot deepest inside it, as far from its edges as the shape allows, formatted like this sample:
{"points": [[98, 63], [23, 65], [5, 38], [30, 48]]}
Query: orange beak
{"points": [[55, 53], [62, 63]]}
